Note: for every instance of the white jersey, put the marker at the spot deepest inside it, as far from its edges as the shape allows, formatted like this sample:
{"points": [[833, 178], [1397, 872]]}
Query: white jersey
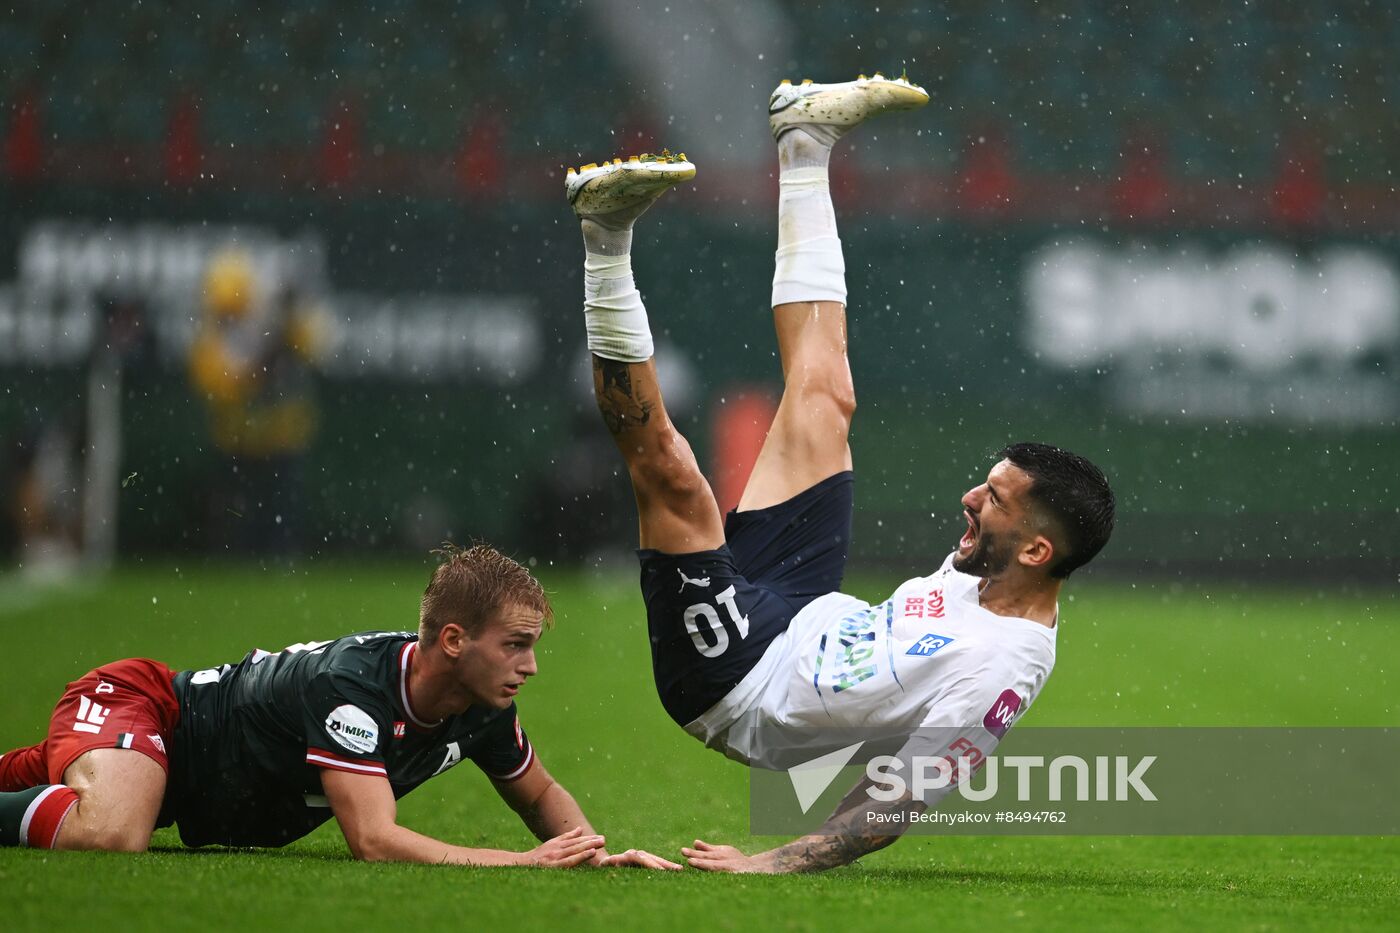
{"points": [[929, 656]]}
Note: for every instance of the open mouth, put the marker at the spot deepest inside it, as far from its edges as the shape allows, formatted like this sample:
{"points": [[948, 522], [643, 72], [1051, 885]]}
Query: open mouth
{"points": [[513, 689], [969, 537]]}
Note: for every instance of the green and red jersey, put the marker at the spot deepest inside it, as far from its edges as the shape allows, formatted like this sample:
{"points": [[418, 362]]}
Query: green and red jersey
{"points": [[253, 738]]}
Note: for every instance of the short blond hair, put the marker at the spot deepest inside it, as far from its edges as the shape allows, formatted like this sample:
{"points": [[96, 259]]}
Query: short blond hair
{"points": [[470, 587]]}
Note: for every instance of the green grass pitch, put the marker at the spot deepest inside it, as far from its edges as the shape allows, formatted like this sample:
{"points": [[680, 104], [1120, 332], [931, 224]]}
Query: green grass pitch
{"points": [[1129, 655]]}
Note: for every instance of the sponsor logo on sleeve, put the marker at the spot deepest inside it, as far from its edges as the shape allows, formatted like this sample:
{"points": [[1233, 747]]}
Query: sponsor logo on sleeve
{"points": [[519, 735], [1003, 711], [400, 729], [928, 644], [353, 728]]}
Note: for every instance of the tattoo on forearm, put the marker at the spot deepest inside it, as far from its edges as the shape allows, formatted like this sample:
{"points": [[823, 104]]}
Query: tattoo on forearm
{"points": [[618, 402], [820, 851], [843, 838]]}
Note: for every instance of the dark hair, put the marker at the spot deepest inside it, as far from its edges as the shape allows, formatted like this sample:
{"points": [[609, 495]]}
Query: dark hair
{"points": [[1076, 496], [471, 586]]}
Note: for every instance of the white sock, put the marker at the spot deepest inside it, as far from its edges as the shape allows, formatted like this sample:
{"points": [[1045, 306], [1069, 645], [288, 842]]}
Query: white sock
{"points": [[808, 265], [607, 234], [807, 146], [613, 313]]}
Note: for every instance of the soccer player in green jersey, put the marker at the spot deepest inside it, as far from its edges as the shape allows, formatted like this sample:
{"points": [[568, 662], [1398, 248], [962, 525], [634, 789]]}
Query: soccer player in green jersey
{"points": [[261, 752]]}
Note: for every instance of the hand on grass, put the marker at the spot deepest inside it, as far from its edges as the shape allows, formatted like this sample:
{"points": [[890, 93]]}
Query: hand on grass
{"points": [[564, 851], [637, 858], [724, 858]]}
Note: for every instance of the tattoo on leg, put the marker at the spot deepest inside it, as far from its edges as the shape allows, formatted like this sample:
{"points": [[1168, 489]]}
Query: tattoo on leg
{"points": [[618, 403]]}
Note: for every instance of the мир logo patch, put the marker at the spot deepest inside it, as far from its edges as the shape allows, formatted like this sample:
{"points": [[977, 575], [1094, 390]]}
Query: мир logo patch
{"points": [[353, 728]]}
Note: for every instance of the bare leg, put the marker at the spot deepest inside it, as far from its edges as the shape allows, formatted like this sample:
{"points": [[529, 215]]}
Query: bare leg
{"points": [[119, 797], [808, 440], [676, 510]]}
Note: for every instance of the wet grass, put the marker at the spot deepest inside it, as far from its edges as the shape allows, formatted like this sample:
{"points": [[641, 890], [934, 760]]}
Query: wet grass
{"points": [[1128, 655]]}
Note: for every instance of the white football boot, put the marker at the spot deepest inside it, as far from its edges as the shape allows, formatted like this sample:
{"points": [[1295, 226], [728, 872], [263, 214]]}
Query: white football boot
{"points": [[612, 186], [840, 105]]}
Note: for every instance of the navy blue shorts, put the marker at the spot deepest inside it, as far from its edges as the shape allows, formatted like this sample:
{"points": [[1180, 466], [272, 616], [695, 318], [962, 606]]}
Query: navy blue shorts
{"points": [[712, 614]]}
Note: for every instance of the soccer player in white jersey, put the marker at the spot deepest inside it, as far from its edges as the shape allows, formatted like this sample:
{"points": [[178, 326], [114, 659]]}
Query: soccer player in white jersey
{"points": [[755, 650]]}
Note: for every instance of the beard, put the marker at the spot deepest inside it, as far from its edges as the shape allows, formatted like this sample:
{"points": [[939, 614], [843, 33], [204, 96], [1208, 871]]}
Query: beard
{"points": [[986, 559]]}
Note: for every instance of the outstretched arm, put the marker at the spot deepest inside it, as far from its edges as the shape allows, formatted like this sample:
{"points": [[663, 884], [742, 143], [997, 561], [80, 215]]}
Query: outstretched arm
{"points": [[365, 808], [859, 826]]}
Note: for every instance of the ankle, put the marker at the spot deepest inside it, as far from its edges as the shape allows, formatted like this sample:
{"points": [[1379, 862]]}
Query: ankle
{"points": [[805, 147], [604, 236]]}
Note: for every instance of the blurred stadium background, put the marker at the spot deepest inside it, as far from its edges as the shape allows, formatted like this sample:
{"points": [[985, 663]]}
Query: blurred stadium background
{"points": [[1162, 234], [295, 284]]}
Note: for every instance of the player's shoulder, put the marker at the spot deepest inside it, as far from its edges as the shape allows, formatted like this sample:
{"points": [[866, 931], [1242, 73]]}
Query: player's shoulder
{"points": [[358, 674], [930, 592], [369, 656], [373, 642]]}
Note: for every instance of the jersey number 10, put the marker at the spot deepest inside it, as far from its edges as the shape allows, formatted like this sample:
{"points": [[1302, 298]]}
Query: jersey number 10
{"points": [[709, 634]]}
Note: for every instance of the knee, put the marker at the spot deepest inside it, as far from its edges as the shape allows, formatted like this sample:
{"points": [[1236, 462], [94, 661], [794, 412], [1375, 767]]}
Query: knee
{"points": [[89, 826], [833, 393], [843, 398], [666, 469]]}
